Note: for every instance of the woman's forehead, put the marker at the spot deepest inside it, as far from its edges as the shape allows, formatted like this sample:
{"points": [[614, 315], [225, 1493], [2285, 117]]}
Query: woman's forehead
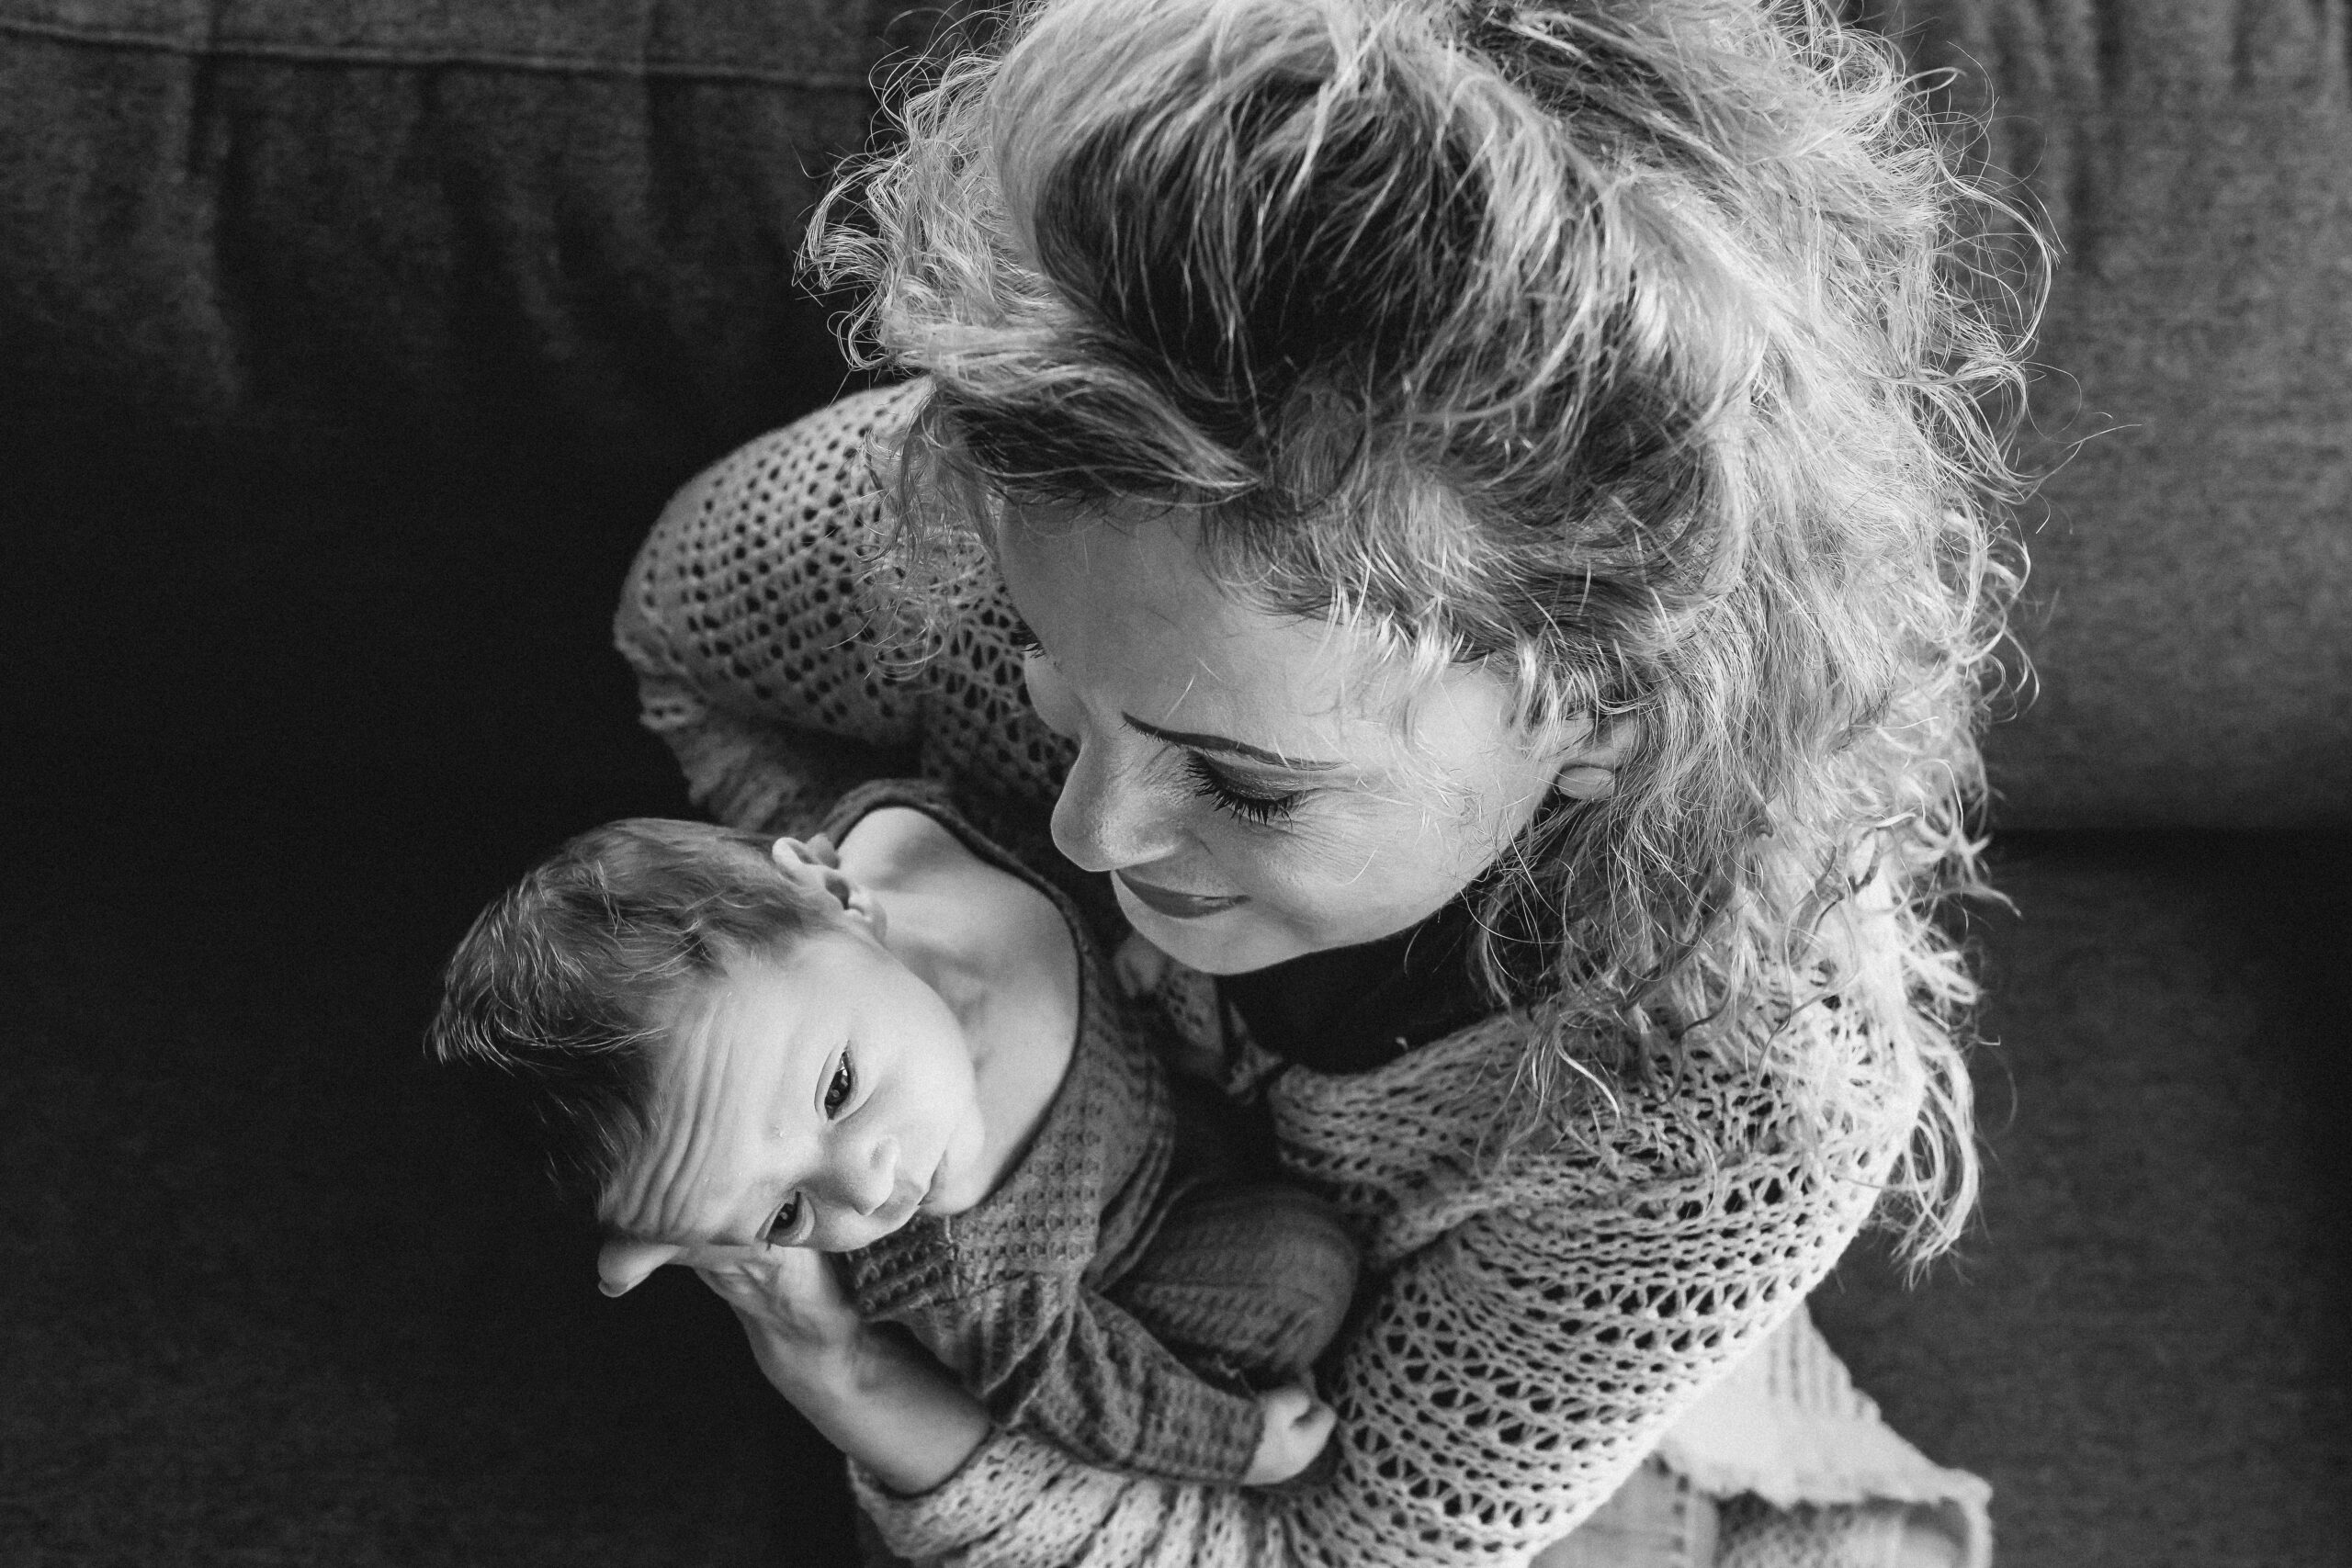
{"points": [[1126, 603]]}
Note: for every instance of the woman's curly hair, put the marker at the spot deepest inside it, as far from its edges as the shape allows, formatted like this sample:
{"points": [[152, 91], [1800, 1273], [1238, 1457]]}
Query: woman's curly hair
{"points": [[1641, 351]]}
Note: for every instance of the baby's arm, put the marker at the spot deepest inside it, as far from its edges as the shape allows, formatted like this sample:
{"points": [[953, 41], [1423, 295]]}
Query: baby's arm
{"points": [[1048, 1355]]}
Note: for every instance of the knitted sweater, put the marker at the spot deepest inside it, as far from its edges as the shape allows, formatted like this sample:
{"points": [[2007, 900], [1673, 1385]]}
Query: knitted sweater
{"points": [[1017, 1295], [1534, 1321]]}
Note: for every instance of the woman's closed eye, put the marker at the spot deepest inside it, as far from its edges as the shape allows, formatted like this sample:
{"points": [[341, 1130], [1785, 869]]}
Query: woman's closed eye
{"points": [[1024, 642], [1212, 783], [1258, 808]]}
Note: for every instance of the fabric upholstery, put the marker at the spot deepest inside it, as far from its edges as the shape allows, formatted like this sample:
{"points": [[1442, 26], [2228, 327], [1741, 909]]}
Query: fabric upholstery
{"points": [[2189, 613], [568, 224], [567, 229]]}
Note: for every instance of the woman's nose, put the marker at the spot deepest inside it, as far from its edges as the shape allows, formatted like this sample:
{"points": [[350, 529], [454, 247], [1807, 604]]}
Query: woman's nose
{"points": [[1109, 816]]}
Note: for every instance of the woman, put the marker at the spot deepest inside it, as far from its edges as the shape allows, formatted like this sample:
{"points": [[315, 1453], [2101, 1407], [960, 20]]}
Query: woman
{"points": [[1475, 518]]}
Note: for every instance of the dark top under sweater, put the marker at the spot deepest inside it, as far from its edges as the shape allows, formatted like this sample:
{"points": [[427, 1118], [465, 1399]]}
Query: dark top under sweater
{"points": [[1015, 1294]]}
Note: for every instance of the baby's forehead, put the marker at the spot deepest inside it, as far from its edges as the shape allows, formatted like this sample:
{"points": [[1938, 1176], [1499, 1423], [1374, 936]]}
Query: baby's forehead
{"points": [[731, 972], [724, 1028], [702, 1112]]}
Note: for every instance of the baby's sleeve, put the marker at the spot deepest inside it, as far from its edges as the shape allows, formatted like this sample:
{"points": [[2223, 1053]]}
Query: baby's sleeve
{"points": [[1052, 1358]]}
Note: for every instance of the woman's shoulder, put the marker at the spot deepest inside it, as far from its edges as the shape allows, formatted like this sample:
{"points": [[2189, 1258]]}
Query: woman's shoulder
{"points": [[821, 455], [1451, 1130], [797, 502]]}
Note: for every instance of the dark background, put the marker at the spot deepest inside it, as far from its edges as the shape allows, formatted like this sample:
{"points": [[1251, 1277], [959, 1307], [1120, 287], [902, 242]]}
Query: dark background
{"points": [[347, 360]]}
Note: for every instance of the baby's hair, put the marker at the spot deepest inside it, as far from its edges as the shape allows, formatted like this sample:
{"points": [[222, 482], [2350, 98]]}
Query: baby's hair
{"points": [[555, 995], [1644, 352]]}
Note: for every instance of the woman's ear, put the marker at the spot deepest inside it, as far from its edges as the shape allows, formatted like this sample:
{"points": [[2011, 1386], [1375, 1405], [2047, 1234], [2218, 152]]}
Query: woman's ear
{"points": [[1590, 761]]}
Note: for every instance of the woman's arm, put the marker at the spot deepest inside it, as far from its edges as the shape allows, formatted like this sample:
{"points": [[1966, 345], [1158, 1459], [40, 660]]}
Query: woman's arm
{"points": [[1506, 1378], [747, 618], [751, 618]]}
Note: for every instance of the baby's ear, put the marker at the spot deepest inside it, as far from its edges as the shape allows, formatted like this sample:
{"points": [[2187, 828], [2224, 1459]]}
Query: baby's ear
{"points": [[623, 1265], [817, 859], [857, 901]]}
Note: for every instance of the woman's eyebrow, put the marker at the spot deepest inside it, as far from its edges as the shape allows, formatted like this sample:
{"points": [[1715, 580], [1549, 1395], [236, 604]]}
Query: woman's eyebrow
{"points": [[1229, 747]]}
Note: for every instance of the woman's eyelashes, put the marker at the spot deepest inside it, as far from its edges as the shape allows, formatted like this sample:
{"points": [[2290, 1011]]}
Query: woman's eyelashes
{"points": [[1024, 641], [1205, 779], [784, 1229], [1211, 783]]}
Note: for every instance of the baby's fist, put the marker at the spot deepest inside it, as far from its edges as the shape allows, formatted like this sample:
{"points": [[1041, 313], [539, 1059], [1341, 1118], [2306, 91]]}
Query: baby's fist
{"points": [[1296, 1425]]}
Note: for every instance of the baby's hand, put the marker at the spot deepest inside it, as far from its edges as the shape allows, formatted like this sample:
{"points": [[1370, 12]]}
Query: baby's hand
{"points": [[1296, 1427], [793, 1309]]}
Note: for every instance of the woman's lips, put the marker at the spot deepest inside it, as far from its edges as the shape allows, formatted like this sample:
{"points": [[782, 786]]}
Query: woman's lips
{"points": [[1179, 906]]}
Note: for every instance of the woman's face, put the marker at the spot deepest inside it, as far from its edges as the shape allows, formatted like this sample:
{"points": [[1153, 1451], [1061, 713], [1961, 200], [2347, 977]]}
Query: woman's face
{"points": [[1258, 786]]}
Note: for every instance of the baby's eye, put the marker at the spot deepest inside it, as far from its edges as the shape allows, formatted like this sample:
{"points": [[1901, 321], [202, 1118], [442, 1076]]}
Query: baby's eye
{"points": [[786, 1226], [837, 1092]]}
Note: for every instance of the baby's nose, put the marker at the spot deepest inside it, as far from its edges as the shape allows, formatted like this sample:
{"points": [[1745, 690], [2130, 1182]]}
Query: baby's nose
{"points": [[871, 1181]]}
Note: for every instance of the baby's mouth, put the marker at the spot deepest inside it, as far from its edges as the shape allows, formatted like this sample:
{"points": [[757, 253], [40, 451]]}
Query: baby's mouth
{"points": [[904, 1204]]}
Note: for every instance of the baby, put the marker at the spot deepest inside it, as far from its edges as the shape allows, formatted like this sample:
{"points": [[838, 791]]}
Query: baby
{"points": [[904, 1050]]}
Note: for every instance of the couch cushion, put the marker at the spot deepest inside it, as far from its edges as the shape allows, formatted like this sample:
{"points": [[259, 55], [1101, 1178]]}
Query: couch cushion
{"points": [[2190, 607], [569, 222], [567, 226], [2141, 1343]]}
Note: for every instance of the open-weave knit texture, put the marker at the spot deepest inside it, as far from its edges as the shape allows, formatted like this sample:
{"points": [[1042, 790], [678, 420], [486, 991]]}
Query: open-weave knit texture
{"points": [[1754, 1534], [1541, 1313], [756, 650]]}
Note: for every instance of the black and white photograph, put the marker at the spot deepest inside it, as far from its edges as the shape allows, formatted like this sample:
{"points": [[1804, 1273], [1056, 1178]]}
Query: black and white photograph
{"points": [[1176, 783]]}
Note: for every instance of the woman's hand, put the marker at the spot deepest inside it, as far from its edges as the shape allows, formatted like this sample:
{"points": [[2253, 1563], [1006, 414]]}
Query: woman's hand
{"points": [[1296, 1427], [875, 1396]]}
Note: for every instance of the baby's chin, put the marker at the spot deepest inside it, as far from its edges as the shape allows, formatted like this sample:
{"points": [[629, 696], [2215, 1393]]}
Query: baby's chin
{"points": [[959, 1181]]}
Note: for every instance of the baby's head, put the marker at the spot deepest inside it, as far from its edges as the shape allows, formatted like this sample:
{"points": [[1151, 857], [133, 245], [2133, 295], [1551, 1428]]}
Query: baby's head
{"points": [[704, 1035]]}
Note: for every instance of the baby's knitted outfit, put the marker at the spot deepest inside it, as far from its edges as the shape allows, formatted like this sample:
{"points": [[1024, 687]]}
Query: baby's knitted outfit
{"points": [[1536, 1318], [1022, 1295]]}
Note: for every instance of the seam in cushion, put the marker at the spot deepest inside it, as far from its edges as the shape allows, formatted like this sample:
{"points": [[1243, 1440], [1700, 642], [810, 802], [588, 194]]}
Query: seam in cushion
{"points": [[389, 57]]}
